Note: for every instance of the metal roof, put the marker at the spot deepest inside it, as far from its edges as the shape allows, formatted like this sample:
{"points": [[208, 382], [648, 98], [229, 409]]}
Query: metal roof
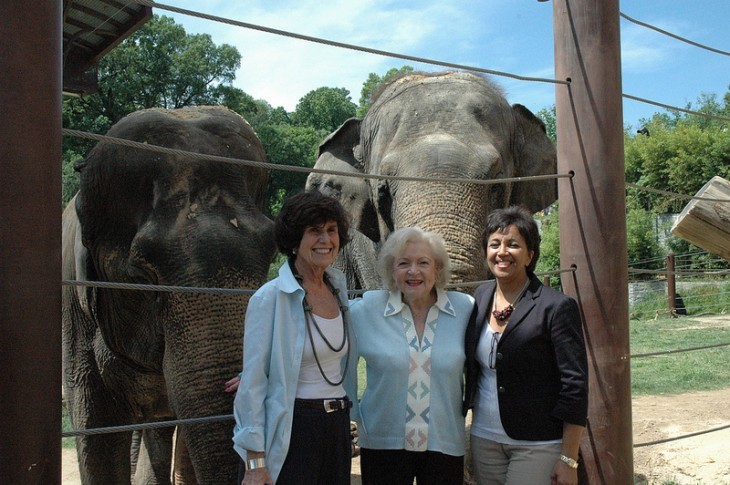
{"points": [[91, 28]]}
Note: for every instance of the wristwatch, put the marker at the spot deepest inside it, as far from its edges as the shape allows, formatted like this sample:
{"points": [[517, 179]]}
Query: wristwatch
{"points": [[569, 461], [254, 463]]}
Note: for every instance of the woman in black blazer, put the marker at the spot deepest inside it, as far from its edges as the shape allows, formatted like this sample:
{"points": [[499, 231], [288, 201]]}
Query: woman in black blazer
{"points": [[526, 367]]}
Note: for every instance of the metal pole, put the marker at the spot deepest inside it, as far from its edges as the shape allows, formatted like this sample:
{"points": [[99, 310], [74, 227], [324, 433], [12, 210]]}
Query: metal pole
{"points": [[593, 220], [30, 241], [671, 285]]}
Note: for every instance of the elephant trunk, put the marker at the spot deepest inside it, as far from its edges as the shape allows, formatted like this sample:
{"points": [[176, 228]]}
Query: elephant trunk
{"points": [[457, 213], [196, 368]]}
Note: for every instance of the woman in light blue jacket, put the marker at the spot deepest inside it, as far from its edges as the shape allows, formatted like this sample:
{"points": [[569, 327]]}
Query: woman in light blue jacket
{"points": [[411, 337], [291, 409]]}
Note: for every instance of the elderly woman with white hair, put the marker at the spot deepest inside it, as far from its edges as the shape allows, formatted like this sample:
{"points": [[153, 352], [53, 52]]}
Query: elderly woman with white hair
{"points": [[411, 337]]}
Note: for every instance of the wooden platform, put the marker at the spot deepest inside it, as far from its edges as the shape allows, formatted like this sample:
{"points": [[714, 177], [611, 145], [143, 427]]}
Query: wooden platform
{"points": [[706, 223]]}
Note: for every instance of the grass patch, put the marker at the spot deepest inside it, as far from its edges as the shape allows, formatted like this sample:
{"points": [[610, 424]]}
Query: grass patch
{"points": [[710, 298], [66, 426], [706, 369]]}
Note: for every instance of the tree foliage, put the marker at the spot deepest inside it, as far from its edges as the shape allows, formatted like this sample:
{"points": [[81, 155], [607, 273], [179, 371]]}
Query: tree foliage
{"points": [[550, 245], [372, 83], [548, 116], [678, 153], [641, 235], [324, 109], [288, 145], [159, 66]]}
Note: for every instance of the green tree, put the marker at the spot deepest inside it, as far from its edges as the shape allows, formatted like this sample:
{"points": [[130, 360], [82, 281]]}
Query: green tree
{"points": [[159, 66], [550, 245], [288, 145], [677, 153], [262, 113], [547, 115], [641, 236], [324, 109], [235, 99], [371, 85]]}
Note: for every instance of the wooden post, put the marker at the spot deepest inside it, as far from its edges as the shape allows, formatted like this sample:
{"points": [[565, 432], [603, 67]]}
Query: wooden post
{"points": [[593, 221], [671, 285], [30, 241]]}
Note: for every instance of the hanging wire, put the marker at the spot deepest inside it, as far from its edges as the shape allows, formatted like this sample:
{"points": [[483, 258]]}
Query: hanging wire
{"points": [[674, 194], [343, 45], [395, 55], [674, 36], [675, 108], [295, 168]]}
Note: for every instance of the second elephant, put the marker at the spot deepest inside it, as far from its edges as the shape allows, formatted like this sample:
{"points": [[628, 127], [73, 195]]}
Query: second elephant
{"points": [[138, 356], [439, 125]]}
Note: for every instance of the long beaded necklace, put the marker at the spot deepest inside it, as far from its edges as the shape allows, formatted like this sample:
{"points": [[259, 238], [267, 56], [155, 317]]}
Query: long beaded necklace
{"points": [[311, 322], [502, 315]]}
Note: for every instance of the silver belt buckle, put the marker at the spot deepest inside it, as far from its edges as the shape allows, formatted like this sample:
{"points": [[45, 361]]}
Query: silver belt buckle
{"points": [[330, 407]]}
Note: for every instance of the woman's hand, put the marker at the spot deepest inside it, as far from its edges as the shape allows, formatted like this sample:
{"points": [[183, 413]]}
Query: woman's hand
{"points": [[232, 385], [563, 475], [258, 476]]}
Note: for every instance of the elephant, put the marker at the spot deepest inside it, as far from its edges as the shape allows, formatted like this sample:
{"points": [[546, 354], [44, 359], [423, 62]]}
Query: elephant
{"points": [[132, 356], [434, 125]]}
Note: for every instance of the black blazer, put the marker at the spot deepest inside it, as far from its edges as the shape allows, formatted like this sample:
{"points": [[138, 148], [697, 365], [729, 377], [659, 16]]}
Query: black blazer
{"points": [[541, 363]]}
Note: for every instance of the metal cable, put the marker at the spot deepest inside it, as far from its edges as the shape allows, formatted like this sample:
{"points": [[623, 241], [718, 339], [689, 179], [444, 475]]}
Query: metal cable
{"points": [[240, 291], [164, 288], [141, 426], [677, 351], [317, 40], [294, 168], [721, 272], [675, 108], [673, 194], [343, 45], [666, 440], [661, 31]]}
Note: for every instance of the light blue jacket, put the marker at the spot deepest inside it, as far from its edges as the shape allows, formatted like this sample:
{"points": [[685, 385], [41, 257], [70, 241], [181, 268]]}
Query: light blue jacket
{"points": [[381, 341], [272, 355]]}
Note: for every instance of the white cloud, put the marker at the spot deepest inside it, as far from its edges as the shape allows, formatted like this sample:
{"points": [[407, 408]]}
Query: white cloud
{"points": [[281, 70]]}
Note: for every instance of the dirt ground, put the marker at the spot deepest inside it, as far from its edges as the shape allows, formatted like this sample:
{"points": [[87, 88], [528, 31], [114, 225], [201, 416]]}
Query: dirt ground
{"points": [[700, 460]]}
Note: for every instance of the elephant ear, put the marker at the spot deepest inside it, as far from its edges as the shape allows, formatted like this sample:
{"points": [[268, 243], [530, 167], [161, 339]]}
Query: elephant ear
{"points": [[535, 154], [340, 152], [76, 263]]}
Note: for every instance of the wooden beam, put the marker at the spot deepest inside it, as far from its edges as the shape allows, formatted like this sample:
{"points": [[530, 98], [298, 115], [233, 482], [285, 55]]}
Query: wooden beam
{"points": [[706, 223]]}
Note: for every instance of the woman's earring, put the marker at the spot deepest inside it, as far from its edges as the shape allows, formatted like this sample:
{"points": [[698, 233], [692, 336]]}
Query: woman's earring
{"points": [[294, 252]]}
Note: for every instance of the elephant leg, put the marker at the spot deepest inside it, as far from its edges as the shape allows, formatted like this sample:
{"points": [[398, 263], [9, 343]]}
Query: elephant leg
{"points": [[104, 458], [154, 457], [184, 474]]}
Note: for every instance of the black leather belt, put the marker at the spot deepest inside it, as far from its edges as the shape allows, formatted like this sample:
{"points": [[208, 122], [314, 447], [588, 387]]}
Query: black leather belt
{"points": [[326, 405]]}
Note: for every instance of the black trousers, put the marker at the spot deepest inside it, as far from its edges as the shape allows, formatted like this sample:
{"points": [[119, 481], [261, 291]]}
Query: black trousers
{"points": [[400, 467], [319, 449]]}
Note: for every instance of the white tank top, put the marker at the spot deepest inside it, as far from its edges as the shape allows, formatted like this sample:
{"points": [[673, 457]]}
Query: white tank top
{"points": [[311, 384]]}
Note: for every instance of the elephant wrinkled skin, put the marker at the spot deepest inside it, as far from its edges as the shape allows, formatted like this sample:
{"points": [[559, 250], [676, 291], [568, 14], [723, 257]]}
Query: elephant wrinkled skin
{"points": [[137, 356], [443, 125]]}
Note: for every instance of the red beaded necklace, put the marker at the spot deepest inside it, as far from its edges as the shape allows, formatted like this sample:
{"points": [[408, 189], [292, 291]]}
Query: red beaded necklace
{"points": [[502, 315]]}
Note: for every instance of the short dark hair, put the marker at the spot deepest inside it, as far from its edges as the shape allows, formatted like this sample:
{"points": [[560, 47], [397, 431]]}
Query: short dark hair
{"points": [[305, 209], [521, 218]]}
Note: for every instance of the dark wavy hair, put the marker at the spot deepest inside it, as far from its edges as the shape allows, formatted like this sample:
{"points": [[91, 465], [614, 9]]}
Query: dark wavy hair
{"points": [[307, 209], [521, 218]]}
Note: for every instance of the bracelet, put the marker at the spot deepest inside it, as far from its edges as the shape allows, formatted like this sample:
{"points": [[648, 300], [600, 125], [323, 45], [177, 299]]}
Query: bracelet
{"points": [[255, 463], [569, 461]]}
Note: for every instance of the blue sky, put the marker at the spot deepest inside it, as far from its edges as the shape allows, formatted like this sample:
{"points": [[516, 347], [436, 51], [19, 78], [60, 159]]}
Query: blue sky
{"points": [[514, 36]]}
